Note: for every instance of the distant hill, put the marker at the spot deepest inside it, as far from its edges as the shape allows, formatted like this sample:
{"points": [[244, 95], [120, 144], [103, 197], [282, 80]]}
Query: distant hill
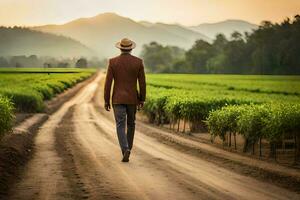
{"points": [[178, 30], [103, 31], [226, 27], [23, 41]]}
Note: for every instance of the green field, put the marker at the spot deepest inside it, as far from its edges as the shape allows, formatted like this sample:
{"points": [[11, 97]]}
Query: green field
{"points": [[25, 90], [45, 70], [250, 83], [256, 107], [179, 95]]}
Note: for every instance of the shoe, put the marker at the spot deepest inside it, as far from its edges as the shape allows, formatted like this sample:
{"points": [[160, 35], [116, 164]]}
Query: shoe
{"points": [[126, 156]]}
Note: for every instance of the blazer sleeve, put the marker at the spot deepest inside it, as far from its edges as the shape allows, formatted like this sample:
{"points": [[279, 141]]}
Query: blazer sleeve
{"points": [[108, 83], [142, 82]]}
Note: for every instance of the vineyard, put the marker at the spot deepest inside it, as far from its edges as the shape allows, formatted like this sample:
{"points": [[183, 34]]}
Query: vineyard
{"points": [[25, 90], [263, 110]]}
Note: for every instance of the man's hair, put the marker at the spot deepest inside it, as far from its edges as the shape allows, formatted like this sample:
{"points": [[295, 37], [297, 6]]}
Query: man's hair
{"points": [[126, 50]]}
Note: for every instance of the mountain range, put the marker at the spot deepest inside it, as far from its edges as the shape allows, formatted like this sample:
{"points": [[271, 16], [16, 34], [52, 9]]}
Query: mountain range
{"points": [[97, 36], [23, 41], [225, 27], [101, 32]]}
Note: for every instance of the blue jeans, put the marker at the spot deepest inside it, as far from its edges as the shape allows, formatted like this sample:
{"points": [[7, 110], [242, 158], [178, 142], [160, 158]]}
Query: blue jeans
{"points": [[125, 115]]}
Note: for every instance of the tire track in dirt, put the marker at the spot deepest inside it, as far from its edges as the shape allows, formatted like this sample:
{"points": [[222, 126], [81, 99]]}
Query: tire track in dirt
{"points": [[91, 168], [43, 177], [63, 145], [124, 180], [184, 182]]}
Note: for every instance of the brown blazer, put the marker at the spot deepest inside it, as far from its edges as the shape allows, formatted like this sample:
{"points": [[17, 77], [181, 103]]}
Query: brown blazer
{"points": [[125, 70]]}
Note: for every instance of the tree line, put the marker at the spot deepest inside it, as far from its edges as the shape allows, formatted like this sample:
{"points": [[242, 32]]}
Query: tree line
{"points": [[34, 61], [273, 48]]}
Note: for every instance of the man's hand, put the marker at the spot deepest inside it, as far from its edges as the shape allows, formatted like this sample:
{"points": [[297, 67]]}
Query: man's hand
{"points": [[107, 107], [140, 105]]}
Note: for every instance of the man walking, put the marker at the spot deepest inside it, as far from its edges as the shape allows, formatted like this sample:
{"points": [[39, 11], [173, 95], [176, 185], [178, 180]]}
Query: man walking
{"points": [[125, 70]]}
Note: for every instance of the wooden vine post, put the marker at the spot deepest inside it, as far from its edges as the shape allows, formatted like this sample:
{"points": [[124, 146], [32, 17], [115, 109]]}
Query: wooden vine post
{"points": [[234, 137], [260, 152], [184, 122]]}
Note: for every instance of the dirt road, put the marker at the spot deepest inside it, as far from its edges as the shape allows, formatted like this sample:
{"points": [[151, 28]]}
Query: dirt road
{"points": [[77, 157]]}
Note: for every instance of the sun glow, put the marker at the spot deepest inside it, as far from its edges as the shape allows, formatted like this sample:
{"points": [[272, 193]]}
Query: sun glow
{"points": [[187, 12]]}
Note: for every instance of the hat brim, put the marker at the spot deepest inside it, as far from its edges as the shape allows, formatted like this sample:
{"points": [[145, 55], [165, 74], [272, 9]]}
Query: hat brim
{"points": [[132, 46]]}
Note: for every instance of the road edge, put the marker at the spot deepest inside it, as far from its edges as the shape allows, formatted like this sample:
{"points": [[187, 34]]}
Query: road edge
{"points": [[281, 179], [17, 148]]}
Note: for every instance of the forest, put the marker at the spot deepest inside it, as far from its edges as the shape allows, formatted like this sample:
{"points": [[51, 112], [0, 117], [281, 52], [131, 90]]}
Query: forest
{"points": [[273, 48], [34, 61]]}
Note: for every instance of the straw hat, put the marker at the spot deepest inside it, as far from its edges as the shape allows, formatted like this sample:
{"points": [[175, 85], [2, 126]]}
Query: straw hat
{"points": [[125, 44]]}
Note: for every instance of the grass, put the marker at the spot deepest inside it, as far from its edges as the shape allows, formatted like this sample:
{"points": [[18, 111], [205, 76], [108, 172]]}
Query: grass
{"points": [[6, 116], [192, 97], [28, 90], [45, 70], [249, 83]]}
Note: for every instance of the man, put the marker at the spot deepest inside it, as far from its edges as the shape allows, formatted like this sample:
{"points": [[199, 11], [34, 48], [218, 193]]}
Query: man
{"points": [[125, 70]]}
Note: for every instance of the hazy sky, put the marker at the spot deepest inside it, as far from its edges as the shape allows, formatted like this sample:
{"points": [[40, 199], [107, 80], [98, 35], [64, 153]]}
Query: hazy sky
{"points": [[187, 12]]}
